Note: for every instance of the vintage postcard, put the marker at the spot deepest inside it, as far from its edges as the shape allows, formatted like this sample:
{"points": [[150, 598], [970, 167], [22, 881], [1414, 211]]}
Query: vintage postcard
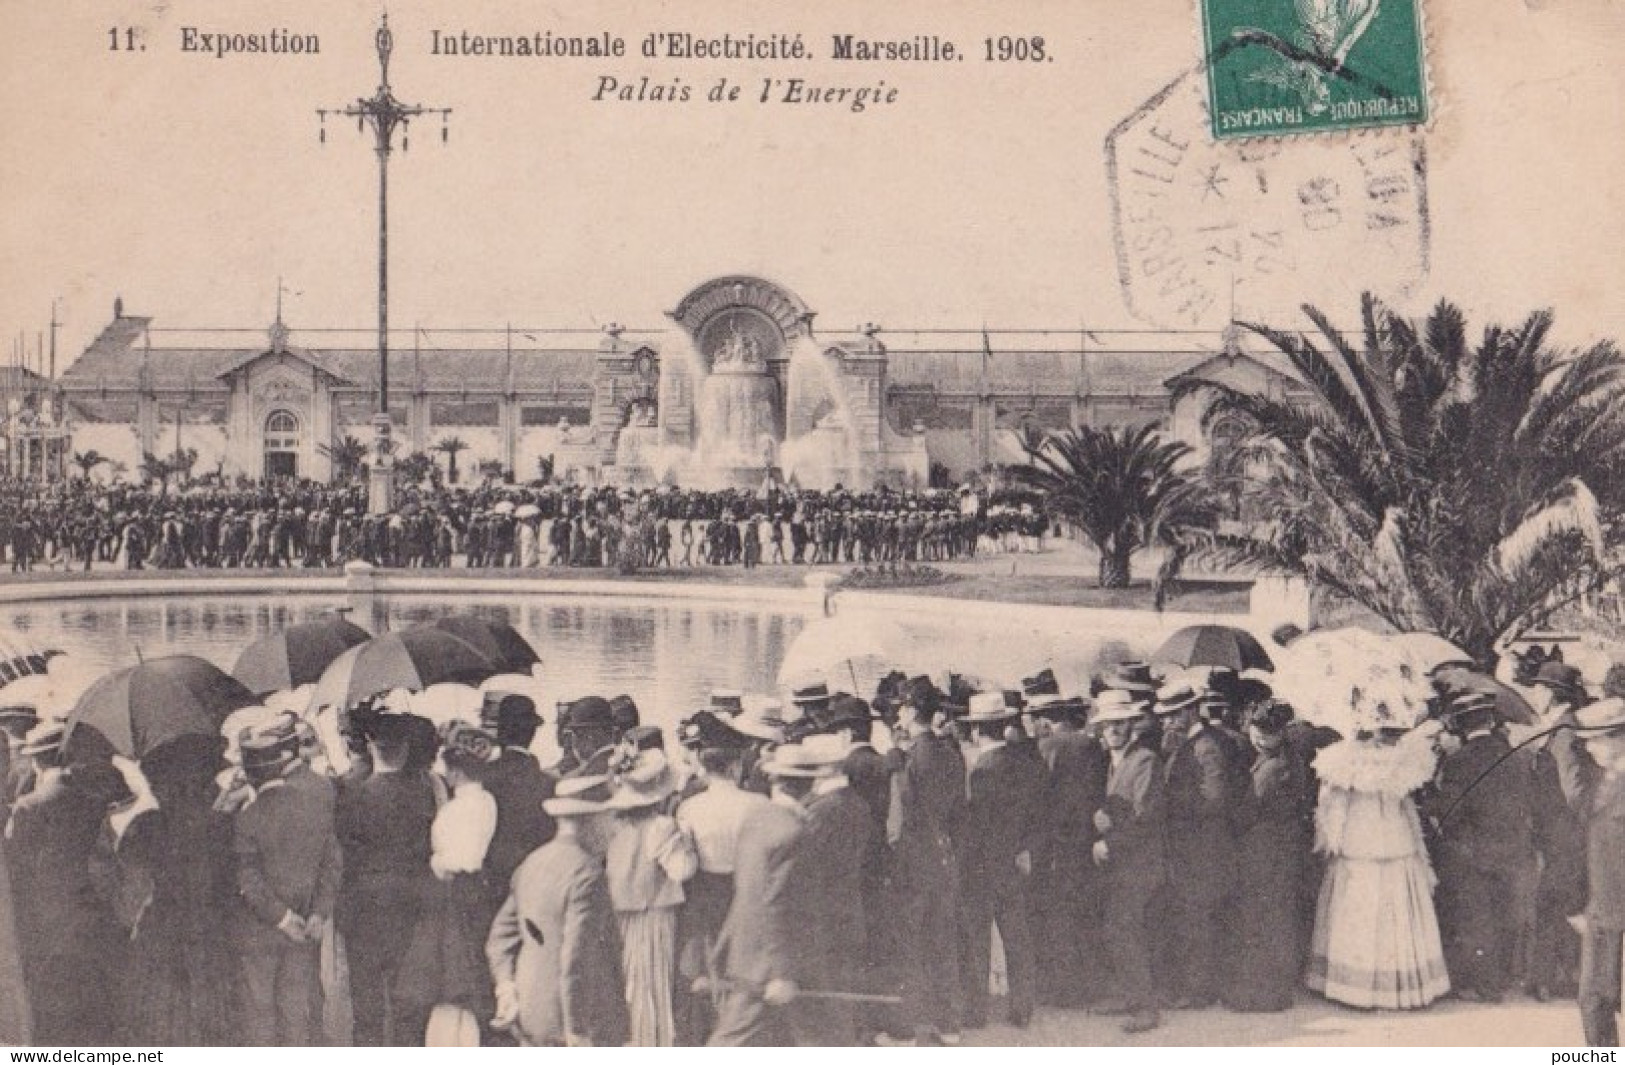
{"points": [[1044, 524]]}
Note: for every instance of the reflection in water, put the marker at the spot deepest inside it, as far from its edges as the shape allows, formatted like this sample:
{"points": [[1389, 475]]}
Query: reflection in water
{"points": [[667, 656]]}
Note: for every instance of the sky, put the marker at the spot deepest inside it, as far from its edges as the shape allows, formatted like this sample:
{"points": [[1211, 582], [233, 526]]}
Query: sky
{"points": [[189, 184]]}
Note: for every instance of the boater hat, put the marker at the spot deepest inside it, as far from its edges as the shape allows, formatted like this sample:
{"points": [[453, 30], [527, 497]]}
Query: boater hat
{"points": [[1114, 704], [989, 708]]}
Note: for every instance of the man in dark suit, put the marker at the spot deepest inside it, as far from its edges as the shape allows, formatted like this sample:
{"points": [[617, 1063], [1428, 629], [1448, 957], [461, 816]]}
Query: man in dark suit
{"points": [[928, 808], [1066, 880], [1593, 774], [66, 937], [1005, 797], [1207, 781], [837, 847], [518, 784], [383, 832], [1485, 842], [288, 872], [1132, 848]]}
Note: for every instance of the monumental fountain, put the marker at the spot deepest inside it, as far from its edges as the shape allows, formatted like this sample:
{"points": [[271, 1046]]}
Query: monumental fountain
{"points": [[743, 394]]}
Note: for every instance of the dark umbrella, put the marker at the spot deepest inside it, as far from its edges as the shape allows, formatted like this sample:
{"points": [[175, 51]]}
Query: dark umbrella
{"points": [[141, 708], [1220, 646], [1509, 704], [411, 658], [497, 640], [296, 655]]}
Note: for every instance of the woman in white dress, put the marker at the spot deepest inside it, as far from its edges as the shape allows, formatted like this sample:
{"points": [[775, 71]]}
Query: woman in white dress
{"points": [[1376, 942]]}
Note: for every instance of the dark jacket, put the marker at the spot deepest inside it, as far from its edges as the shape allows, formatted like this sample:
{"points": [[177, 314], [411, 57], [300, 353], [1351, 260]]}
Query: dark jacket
{"points": [[1491, 826], [1004, 814], [287, 855], [1136, 841], [1207, 784], [519, 785], [1599, 799]]}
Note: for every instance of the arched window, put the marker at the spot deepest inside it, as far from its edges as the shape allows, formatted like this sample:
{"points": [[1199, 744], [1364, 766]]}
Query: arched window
{"points": [[281, 444], [281, 423]]}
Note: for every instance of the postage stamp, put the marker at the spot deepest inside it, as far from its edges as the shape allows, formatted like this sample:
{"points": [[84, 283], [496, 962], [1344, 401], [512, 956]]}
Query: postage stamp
{"points": [[1206, 228], [1311, 66]]}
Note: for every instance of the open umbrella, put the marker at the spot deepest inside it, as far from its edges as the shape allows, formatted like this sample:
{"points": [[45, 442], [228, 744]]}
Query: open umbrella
{"points": [[18, 660], [411, 658], [847, 651], [527, 511], [1223, 646], [296, 655], [141, 708], [496, 640], [1509, 704]]}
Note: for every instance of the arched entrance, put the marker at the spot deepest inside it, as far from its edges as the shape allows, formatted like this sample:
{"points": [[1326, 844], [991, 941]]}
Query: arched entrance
{"points": [[282, 445]]}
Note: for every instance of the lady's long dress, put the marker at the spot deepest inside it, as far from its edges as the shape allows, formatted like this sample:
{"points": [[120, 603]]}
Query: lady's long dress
{"points": [[1274, 848], [15, 1027], [443, 972], [649, 858], [1376, 941]]}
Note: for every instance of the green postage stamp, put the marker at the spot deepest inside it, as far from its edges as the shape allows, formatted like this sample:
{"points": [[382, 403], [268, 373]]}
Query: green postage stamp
{"points": [[1311, 66]]}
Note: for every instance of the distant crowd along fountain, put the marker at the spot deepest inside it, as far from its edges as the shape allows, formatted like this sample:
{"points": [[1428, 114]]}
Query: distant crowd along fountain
{"points": [[742, 394]]}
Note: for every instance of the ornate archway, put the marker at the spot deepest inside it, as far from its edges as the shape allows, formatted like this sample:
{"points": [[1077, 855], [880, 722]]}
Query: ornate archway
{"points": [[740, 312]]}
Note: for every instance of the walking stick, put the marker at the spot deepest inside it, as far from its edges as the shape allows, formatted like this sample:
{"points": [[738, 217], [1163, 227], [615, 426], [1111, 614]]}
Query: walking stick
{"points": [[755, 991], [1493, 766]]}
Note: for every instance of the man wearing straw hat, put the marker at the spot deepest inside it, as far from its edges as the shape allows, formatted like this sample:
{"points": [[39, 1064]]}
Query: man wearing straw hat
{"points": [[1131, 848], [766, 951], [554, 953], [1006, 793], [1593, 770]]}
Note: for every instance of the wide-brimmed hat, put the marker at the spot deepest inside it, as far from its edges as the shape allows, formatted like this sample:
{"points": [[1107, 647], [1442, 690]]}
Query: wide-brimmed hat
{"points": [[763, 721], [647, 780], [1176, 698], [988, 708], [44, 738], [1115, 704], [816, 756], [580, 795], [1041, 683], [1560, 677], [704, 730], [1129, 677], [1607, 714]]}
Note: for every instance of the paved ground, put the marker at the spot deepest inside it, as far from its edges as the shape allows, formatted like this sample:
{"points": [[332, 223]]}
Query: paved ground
{"points": [[1314, 1022]]}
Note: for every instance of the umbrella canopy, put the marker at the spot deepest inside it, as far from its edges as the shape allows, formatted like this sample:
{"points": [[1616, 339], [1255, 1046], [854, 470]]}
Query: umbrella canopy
{"points": [[18, 660], [296, 655], [527, 511], [1222, 646], [411, 658], [1509, 704], [1351, 679], [848, 652], [141, 708], [496, 640]]}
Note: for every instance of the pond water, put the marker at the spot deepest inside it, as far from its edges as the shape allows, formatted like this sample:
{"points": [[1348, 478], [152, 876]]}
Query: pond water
{"points": [[666, 655]]}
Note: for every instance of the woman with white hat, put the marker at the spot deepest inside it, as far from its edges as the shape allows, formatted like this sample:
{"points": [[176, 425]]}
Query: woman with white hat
{"points": [[648, 861]]}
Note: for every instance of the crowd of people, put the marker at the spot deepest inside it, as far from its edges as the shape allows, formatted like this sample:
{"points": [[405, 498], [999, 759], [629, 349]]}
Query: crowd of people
{"points": [[80, 524], [824, 869]]}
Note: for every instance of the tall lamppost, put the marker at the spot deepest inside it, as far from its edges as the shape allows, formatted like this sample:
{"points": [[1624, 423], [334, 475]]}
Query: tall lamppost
{"points": [[384, 114]]}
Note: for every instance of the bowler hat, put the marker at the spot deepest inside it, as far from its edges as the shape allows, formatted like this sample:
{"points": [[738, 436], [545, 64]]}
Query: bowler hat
{"points": [[590, 711], [507, 709], [705, 730], [625, 711], [1040, 683], [1062, 708], [265, 751], [724, 701], [842, 710]]}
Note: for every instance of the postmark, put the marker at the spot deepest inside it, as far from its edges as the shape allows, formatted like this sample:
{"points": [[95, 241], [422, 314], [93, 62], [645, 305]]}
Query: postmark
{"points": [[1311, 66], [1205, 228]]}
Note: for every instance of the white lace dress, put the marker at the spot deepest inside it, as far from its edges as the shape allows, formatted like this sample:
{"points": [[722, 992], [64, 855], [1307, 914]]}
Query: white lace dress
{"points": [[1376, 942]]}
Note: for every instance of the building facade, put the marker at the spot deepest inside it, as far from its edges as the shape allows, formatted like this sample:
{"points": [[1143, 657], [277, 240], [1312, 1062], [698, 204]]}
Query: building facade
{"points": [[739, 386]]}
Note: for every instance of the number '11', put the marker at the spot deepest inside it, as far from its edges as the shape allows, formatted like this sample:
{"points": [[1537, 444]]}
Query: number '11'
{"points": [[121, 40]]}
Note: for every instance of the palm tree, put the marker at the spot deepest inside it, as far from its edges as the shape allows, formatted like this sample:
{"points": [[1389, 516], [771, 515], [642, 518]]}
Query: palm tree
{"points": [[1125, 489], [414, 468], [348, 454], [1447, 488], [87, 461], [153, 468], [450, 446]]}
